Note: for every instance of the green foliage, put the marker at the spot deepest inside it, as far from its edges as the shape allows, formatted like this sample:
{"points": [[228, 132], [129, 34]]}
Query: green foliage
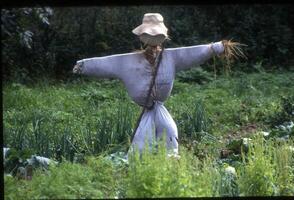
{"points": [[284, 176], [24, 34], [264, 169], [67, 180], [89, 117], [194, 120], [257, 176], [285, 112], [15, 159], [228, 184], [154, 174], [92, 116], [47, 118], [195, 74]]}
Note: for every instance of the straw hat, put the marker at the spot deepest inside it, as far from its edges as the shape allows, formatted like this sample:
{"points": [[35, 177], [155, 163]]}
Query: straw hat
{"points": [[152, 31]]}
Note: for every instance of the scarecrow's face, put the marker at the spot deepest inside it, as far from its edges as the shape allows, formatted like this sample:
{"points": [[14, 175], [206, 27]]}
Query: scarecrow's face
{"points": [[151, 40]]}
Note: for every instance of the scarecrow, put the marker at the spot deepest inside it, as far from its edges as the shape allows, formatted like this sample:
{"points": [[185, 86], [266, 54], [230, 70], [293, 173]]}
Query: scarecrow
{"points": [[149, 75]]}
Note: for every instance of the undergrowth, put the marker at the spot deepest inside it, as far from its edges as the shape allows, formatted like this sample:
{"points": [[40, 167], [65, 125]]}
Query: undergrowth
{"points": [[266, 170], [88, 119]]}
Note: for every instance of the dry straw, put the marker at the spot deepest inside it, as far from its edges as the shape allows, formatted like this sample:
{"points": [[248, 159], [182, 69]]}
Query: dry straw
{"points": [[232, 51]]}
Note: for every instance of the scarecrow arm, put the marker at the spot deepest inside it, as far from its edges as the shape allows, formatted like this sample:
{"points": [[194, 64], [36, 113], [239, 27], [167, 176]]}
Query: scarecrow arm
{"points": [[101, 67], [186, 57]]}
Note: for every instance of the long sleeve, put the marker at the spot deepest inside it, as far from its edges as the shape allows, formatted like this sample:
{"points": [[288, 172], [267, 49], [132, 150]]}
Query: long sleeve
{"points": [[106, 67], [185, 57]]}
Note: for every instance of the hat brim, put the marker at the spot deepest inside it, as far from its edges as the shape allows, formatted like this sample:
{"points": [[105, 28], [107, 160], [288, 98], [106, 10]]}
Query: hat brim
{"points": [[151, 29]]}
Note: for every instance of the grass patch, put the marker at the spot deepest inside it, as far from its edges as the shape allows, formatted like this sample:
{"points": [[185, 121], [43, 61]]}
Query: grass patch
{"points": [[95, 118]]}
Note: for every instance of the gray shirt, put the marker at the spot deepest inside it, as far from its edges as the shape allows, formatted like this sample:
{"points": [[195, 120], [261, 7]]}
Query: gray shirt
{"points": [[136, 73]]}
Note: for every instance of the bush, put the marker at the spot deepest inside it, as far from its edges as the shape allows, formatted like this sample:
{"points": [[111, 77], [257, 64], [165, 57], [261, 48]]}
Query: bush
{"points": [[264, 170], [96, 180], [285, 112], [155, 174]]}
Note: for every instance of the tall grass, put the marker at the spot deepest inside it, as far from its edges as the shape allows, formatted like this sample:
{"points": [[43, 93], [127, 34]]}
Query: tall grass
{"points": [[154, 174], [267, 170], [284, 168], [66, 181], [47, 118], [93, 116], [194, 120]]}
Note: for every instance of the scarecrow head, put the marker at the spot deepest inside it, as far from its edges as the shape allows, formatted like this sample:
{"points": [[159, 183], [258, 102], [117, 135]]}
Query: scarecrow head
{"points": [[152, 31]]}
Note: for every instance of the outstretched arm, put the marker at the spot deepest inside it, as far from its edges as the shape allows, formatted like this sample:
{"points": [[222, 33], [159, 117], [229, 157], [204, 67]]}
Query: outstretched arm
{"points": [[186, 57], [103, 67]]}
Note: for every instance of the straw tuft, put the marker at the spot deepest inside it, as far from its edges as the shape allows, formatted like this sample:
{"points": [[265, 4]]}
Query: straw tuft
{"points": [[232, 51]]}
